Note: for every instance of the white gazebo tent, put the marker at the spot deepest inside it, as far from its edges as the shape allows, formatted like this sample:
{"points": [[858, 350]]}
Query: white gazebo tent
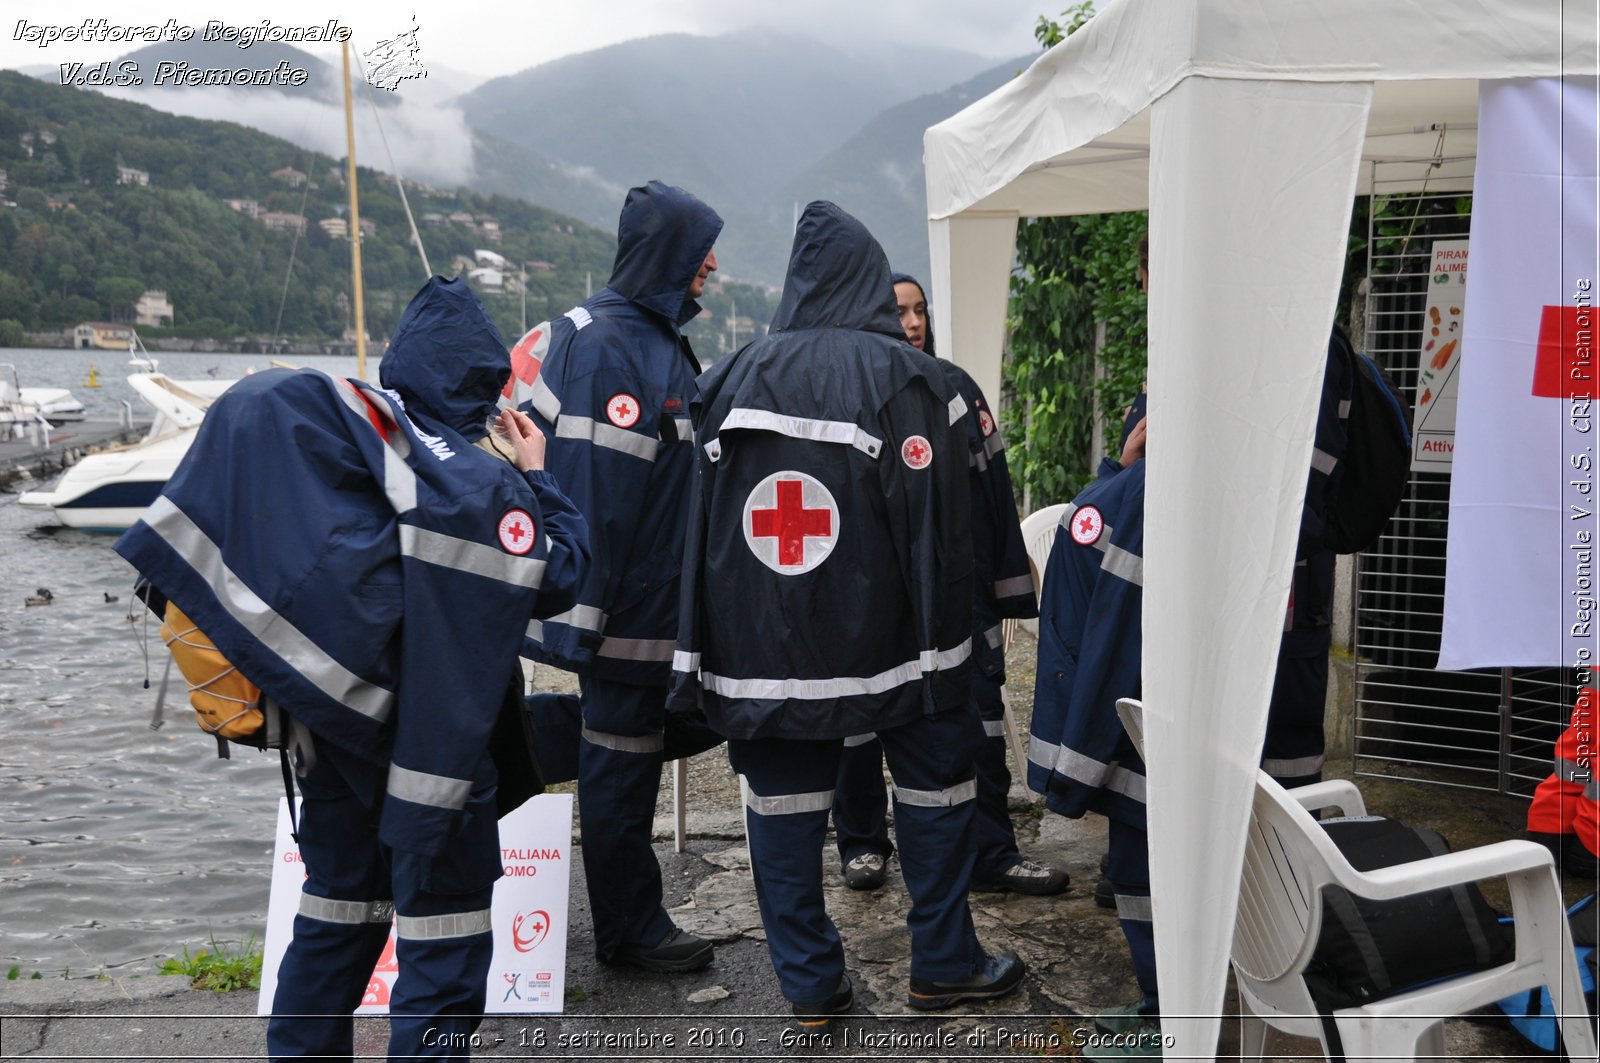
{"points": [[1243, 126]]}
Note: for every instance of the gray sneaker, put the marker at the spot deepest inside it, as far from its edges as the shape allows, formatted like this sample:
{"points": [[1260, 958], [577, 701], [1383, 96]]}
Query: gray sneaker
{"points": [[865, 872]]}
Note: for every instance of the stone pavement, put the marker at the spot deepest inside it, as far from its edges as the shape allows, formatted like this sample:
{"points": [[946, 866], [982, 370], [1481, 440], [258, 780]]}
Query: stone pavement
{"points": [[732, 1010]]}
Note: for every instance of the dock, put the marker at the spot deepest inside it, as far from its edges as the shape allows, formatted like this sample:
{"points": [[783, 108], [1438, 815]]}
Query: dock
{"points": [[29, 459]]}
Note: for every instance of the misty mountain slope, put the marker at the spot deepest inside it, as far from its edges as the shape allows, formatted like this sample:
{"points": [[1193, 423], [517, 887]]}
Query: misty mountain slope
{"points": [[877, 174], [730, 117]]}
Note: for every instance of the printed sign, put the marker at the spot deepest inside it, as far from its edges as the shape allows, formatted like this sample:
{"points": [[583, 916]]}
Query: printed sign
{"points": [[1433, 443], [528, 914]]}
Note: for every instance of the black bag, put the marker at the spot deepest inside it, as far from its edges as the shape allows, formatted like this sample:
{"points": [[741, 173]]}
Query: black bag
{"points": [[1371, 477], [1368, 950]]}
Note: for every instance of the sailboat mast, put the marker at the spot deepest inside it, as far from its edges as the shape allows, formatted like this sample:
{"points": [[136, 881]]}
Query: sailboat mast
{"points": [[355, 221]]}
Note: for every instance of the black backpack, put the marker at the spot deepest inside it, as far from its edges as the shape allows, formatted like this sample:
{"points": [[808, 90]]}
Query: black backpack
{"points": [[1371, 477]]}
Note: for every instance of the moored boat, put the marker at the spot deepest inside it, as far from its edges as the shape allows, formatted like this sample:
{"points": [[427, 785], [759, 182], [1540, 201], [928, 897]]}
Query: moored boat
{"points": [[109, 490]]}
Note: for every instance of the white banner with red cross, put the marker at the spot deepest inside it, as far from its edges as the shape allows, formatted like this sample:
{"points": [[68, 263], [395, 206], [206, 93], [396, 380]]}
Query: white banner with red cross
{"points": [[1520, 586], [528, 914]]}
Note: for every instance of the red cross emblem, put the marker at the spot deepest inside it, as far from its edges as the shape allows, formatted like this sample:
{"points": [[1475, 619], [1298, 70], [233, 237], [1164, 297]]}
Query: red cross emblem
{"points": [[1087, 524], [517, 533], [623, 410], [525, 361], [529, 929], [986, 423], [791, 522], [917, 452]]}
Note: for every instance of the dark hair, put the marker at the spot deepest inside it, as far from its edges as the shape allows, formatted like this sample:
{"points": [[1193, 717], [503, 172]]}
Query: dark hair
{"points": [[1144, 252]]}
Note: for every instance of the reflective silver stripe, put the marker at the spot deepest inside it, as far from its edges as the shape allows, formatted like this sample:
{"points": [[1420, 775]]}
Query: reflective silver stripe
{"points": [[1122, 564], [1322, 461], [447, 551], [995, 636], [958, 409], [1134, 908], [1572, 771], [421, 788], [1086, 770], [329, 910], [852, 741], [544, 401], [685, 662], [605, 434], [994, 728], [268, 626], [437, 927], [1293, 768], [626, 743], [685, 429], [979, 461], [994, 444], [579, 316], [1344, 409], [1014, 587], [803, 428], [818, 689], [399, 479], [788, 804], [535, 630], [959, 794], [636, 649], [584, 617]]}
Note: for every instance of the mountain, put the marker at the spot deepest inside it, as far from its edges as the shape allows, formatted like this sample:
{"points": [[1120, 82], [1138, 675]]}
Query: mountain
{"points": [[877, 174], [732, 118]]}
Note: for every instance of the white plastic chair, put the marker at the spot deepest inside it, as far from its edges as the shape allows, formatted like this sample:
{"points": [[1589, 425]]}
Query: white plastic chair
{"points": [[1038, 534], [1289, 858]]}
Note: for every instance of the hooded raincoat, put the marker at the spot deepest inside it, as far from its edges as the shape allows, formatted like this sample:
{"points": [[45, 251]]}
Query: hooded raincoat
{"points": [[354, 555], [612, 394], [827, 579]]}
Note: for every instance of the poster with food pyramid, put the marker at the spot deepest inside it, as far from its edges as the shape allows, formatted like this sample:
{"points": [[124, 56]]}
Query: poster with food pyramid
{"points": [[1433, 440]]}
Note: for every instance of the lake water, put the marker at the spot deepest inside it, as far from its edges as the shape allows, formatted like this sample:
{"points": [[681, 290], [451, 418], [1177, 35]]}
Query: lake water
{"points": [[118, 845]]}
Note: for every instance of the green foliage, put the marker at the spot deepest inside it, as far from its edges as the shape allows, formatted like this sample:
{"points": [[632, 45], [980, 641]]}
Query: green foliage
{"points": [[11, 333], [223, 968], [1074, 276], [223, 270]]}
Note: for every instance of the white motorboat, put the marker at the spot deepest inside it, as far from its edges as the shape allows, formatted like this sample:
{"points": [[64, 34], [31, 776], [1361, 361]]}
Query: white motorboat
{"points": [[109, 490], [21, 407]]}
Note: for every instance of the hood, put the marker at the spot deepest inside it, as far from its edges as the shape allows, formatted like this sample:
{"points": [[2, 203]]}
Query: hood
{"points": [[447, 358], [927, 326], [663, 237], [838, 277]]}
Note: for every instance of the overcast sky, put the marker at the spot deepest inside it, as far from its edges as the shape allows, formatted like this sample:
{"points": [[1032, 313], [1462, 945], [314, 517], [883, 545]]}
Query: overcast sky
{"points": [[504, 36]]}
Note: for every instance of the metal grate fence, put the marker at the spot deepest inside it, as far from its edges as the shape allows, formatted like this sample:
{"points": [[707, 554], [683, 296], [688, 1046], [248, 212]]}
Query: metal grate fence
{"points": [[1488, 729]]}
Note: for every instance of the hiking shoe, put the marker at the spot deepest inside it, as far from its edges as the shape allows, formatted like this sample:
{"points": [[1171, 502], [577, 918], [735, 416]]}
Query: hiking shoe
{"points": [[866, 872], [678, 951], [1105, 895], [1035, 880], [1143, 1041], [816, 1014], [1000, 976], [1123, 1018]]}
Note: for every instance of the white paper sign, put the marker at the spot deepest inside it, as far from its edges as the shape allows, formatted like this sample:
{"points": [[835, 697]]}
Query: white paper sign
{"points": [[528, 914], [1433, 441]]}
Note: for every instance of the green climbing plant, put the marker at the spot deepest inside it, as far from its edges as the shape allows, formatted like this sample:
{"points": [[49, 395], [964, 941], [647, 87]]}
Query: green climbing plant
{"points": [[1074, 276]]}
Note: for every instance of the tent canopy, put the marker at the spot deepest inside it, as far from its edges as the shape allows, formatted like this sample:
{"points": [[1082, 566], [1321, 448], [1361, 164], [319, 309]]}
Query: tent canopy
{"points": [[1243, 126]]}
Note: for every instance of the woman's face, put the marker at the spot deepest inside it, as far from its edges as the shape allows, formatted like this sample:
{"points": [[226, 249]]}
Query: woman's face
{"points": [[913, 312]]}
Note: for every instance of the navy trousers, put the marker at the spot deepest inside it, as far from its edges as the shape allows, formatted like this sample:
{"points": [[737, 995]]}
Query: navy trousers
{"points": [[619, 778], [791, 788], [354, 886], [1129, 872], [860, 804]]}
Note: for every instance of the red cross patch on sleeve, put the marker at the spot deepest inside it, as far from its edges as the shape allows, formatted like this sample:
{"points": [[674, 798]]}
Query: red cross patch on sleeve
{"points": [[517, 531], [1087, 526], [916, 452], [623, 410]]}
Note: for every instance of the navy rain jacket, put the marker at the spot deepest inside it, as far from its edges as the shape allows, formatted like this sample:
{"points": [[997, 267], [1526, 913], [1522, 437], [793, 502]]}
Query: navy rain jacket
{"points": [[827, 579], [613, 397], [354, 555]]}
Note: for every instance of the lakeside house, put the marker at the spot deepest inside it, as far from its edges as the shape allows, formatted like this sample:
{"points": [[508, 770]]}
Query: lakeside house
{"points": [[153, 309], [102, 335]]}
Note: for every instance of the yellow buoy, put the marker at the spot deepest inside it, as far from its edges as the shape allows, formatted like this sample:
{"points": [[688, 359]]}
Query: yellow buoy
{"points": [[94, 378]]}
